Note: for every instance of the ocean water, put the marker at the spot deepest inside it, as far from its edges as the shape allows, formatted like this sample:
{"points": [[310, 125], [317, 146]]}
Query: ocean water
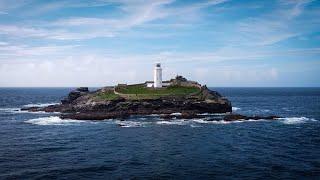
{"points": [[43, 146]]}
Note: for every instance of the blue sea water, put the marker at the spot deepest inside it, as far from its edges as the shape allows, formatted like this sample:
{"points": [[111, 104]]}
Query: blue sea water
{"points": [[43, 146]]}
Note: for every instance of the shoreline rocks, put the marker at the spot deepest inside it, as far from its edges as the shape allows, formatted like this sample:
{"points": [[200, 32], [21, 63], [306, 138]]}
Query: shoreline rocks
{"points": [[236, 117], [81, 104], [184, 115]]}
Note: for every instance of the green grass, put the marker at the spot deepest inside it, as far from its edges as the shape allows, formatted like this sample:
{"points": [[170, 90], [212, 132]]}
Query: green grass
{"points": [[142, 92], [108, 95]]}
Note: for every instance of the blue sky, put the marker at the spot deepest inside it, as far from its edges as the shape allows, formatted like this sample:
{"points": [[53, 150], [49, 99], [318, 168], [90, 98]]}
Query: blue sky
{"points": [[103, 42]]}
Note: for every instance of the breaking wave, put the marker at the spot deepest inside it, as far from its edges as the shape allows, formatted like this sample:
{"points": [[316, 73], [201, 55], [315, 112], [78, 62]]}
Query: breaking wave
{"points": [[131, 123], [53, 120], [57, 121], [296, 120], [18, 111], [286, 109], [198, 122], [174, 122], [145, 122], [40, 104], [235, 108], [10, 110], [213, 114], [202, 121], [176, 114]]}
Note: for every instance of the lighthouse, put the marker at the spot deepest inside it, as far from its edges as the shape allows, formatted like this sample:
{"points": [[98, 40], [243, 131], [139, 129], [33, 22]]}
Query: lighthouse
{"points": [[157, 76]]}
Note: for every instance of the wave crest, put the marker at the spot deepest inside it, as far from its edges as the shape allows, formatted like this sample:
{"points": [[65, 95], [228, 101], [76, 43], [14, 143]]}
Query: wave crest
{"points": [[296, 120], [235, 108], [10, 110], [53, 120], [40, 104], [173, 122], [131, 123], [18, 111]]}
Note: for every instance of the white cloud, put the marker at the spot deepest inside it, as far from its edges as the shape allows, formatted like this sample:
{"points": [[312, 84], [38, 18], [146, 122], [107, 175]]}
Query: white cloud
{"points": [[203, 73], [3, 43], [8, 5], [26, 52], [235, 75], [278, 25], [43, 7], [14, 31], [33, 66], [136, 13], [83, 71], [35, 54], [293, 8], [71, 71]]}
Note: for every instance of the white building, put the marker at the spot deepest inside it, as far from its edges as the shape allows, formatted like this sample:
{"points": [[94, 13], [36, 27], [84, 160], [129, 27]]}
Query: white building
{"points": [[157, 76]]}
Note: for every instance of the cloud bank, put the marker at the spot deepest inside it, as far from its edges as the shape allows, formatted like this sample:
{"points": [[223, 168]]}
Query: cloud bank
{"points": [[103, 42]]}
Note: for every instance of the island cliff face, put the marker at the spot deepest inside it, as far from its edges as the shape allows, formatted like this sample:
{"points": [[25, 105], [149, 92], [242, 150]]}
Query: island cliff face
{"points": [[180, 96]]}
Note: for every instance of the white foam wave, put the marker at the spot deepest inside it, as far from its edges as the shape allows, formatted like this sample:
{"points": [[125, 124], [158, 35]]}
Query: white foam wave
{"points": [[40, 104], [202, 121], [213, 114], [195, 126], [286, 109], [197, 122], [37, 112], [295, 120], [173, 122], [176, 114], [40, 112], [153, 115], [18, 111], [10, 110], [53, 120], [235, 108], [131, 123]]}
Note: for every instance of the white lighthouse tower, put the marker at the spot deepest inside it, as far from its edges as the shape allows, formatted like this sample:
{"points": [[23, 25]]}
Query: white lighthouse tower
{"points": [[157, 76]]}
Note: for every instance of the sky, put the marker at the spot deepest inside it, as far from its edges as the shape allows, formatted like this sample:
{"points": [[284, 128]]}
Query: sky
{"points": [[221, 43]]}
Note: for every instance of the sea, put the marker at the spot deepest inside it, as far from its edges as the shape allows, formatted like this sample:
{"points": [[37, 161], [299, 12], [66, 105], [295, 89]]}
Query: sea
{"points": [[43, 146]]}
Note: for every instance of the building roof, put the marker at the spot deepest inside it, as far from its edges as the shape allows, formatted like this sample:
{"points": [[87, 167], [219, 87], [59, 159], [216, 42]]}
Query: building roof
{"points": [[162, 81]]}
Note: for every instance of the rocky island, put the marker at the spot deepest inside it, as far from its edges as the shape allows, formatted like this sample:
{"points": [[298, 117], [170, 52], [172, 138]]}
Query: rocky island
{"points": [[177, 98]]}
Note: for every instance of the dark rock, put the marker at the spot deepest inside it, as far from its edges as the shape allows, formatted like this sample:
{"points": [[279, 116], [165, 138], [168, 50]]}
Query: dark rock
{"points": [[82, 104], [167, 116], [181, 78], [95, 115], [31, 109], [236, 117], [188, 115], [75, 94], [82, 89]]}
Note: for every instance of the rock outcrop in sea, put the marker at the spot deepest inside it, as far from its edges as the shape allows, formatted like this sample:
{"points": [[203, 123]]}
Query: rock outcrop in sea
{"points": [[188, 98]]}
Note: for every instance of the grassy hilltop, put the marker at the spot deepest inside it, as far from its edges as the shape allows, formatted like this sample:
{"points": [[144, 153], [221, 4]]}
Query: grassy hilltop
{"points": [[140, 92]]}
